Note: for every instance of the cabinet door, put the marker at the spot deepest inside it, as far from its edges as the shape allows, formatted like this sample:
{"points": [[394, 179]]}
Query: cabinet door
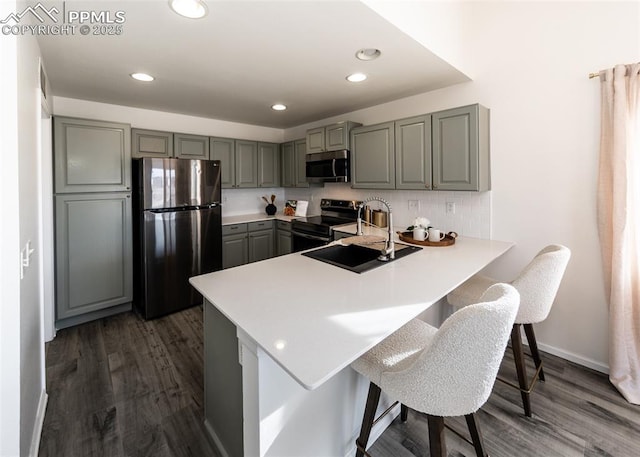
{"points": [[413, 153], [287, 159], [151, 143], [268, 165], [93, 252], [223, 149], [373, 157], [283, 242], [301, 163], [235, 250], [191, 146], [91, 156], [336, 136], [246, 163], [315, 140], [260, 245], [456, 151]]}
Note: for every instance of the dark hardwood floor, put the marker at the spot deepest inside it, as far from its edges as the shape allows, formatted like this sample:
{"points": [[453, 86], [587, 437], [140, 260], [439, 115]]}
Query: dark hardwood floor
{"points": [[123, 386]]}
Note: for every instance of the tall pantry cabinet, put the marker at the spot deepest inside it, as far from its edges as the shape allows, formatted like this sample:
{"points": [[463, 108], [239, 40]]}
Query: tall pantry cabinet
{"points": [[93, 251]]}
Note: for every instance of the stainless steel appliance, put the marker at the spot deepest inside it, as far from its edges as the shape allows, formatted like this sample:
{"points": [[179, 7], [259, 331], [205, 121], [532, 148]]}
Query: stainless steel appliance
{"points": [[177, 224], [330, 166], [314, 231]]}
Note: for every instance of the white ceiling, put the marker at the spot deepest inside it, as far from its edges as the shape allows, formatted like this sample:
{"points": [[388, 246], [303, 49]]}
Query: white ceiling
{"points": [[243, 57]]}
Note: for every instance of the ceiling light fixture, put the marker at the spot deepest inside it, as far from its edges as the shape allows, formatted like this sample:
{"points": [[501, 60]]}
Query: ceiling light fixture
{"points": [[279, 107], [368, 54], [193, 9], [142, 77], [356, 77]]}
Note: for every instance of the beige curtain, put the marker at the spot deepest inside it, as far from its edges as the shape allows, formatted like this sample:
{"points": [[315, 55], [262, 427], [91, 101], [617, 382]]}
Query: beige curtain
{"points": [[619, 222]]}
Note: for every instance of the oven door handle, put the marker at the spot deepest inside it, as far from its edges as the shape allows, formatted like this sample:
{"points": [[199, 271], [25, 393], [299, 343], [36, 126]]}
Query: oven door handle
{"points": [[311, 237]]}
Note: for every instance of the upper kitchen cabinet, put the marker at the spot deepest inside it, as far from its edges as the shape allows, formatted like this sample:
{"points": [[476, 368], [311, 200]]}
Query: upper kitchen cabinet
{"points": [[413, 153], [332, 137], [461, 149], [151, 143], [268, 165], [191, 146], [300, 147], [246, 161], [91, 156], [373, 156], [293, 160], [223, 149]]}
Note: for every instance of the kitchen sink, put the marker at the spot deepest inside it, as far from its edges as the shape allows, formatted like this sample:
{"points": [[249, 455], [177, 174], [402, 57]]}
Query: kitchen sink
{"points": [[356, 258]]}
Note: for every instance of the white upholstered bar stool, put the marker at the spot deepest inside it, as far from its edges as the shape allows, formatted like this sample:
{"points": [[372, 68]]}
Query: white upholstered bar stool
{"points": [[537, 284], [442, 372]]}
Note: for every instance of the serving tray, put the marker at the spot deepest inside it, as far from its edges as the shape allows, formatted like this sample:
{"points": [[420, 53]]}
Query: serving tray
{"points": [[448, 240]]}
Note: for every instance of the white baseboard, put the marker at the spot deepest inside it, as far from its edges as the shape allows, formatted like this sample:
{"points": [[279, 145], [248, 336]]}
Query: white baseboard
{"points": [[575, 358], [39, 422]]}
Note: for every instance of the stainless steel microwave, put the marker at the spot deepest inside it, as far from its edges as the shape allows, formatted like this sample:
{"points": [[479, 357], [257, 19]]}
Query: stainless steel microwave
{"points": [[330, 166]]}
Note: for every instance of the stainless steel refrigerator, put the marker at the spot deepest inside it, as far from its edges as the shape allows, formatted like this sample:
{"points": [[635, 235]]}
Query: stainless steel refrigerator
{"points": [[177, 227]]}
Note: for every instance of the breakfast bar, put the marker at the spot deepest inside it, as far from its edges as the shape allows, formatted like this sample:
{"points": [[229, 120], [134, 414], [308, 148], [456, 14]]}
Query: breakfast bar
{"points": [[280, 335]]}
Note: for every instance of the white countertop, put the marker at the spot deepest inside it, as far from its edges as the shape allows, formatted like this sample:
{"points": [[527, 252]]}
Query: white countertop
{"points": [[314, 319], [228, 220]]}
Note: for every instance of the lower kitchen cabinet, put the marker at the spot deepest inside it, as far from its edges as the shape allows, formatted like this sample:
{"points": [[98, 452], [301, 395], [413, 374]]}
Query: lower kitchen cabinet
{"points": [[93, 254], [247, 242], [283, 238]]}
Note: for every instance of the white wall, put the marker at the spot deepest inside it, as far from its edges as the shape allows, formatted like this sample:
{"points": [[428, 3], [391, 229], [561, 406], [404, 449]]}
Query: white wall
{"points": [[530, 61], [9, 248]]}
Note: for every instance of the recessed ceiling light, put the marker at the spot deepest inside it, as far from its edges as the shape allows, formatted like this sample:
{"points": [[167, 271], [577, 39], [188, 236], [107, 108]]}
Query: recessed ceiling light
{"points": [[142, 77], [279, 107], [193, 9], [368, 54], [356, 77]]}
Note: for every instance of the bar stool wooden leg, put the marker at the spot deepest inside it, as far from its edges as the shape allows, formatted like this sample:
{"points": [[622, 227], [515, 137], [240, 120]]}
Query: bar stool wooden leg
{"points": [[521, 369], [404, 413], [367, 421], [533, 346], [437, 445], [476, 436]]}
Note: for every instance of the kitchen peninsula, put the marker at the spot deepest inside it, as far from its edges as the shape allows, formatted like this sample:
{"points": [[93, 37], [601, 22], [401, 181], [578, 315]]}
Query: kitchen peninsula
{"points": [[280, 335]]}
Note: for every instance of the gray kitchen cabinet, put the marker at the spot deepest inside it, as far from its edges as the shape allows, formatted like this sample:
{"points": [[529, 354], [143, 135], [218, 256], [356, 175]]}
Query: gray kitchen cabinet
{"points": [[91, 156], [301, 163], [331, 137], [151, 143], [293, 164], [224, 150], [288, 164], [246, 163], [93, 253], [268, 165], [261, 240], [413, 153], [461, 149], [188, 146], [235, 245], [315, 140], [283, 238], [373, 156]]}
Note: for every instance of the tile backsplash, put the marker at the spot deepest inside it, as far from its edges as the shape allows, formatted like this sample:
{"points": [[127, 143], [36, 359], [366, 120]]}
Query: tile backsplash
{"points": [[470, 217], [236, 202]]}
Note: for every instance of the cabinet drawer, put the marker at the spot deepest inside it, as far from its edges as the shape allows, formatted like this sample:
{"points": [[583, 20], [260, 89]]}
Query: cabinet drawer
{"points": [[233, 228], [283, 225], [260, 225]]}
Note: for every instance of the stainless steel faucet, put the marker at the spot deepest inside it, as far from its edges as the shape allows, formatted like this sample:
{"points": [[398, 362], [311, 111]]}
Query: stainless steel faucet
{"points": [[388, 253]]}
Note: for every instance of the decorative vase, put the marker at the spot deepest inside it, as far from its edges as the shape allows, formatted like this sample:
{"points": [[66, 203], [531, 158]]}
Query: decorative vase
{"points": [[271, 209]]}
